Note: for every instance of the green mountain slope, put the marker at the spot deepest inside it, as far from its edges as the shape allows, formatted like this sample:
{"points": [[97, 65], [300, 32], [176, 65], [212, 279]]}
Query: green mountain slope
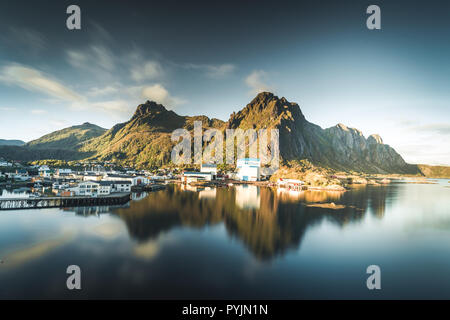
{"points": [[144, 140], [31, 154], [69, 138]]}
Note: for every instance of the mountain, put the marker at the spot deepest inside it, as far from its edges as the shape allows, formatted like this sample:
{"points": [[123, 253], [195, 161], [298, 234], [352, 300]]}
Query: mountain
{"points": [[338, 147], [31, 154], [67, 139], [435, 171], [62, 145], [11, 142], [146, 138]]}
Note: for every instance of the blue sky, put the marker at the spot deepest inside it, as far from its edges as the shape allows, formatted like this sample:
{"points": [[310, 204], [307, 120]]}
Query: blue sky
{"points": [[212, 58]]}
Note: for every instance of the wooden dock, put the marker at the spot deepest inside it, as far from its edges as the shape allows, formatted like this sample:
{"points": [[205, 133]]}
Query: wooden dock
{"points": [[63, 202]]}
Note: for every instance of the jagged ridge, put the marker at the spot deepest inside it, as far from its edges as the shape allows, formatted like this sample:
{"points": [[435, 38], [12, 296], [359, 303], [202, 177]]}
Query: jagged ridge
{"points": [[144, 140]]}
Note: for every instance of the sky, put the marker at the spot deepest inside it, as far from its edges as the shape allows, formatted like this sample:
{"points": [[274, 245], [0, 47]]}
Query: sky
{"points": [[213, 57]]}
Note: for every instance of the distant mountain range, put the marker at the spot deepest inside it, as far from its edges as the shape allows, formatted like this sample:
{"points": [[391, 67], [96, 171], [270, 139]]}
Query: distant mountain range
{"points": [[11, 142], [144, 140], [62, 145]]}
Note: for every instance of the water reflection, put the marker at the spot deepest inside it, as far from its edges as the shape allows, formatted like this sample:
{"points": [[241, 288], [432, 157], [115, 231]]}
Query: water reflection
{"points": [[267, 221], [207, 193], [247, 196], [34, 251], [175, 243], [93, 211]]}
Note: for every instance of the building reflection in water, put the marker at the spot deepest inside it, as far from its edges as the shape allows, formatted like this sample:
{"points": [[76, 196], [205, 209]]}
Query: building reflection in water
{"points": [[207, 193], [187, 187], [247, 196], [137, 196], [266, 221], [94, 211]]}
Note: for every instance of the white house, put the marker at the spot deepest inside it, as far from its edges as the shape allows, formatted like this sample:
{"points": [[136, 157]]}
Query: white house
{"points": [[208, 167], [189, 177], [89, 188], [158, 178], [101, 188], [120, 186], [248, 169], [290, 184], [135, 180]]}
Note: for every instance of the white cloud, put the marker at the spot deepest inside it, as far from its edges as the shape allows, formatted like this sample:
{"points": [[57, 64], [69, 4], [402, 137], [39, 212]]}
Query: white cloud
{"points": [[214, 71], [257, 81], [7, 109], [160, 95], [150, 70], [34, 80], [103, 57], [220, 71], [440, 128], [93, 58], [115, 106], [38, 111], [77, 58], [33, 40], [108, 90]]}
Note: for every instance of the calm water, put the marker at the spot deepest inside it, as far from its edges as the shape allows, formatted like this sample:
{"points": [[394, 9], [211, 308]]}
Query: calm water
{"points": [[240, 242]]}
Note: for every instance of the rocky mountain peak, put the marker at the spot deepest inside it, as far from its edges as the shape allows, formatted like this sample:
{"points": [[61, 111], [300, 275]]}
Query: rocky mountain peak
{"points": [[353, 131], [266, 99], [148, 107], [265, 111], [374, 139], [89, 125]]}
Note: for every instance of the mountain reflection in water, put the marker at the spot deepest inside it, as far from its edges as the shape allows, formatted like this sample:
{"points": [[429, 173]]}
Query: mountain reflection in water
{"points": [[268, 221]]}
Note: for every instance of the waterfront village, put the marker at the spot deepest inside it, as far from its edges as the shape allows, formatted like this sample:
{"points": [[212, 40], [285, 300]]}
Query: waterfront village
{"points": [[92, 179], [96, 179]]}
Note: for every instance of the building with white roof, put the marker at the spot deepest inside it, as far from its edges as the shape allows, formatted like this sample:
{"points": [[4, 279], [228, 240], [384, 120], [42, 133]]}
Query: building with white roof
{"points": [[248, 169], [209, 167]]}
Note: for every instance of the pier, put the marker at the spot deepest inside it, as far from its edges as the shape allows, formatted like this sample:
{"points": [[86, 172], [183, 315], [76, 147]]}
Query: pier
{"points": [[63, 202]]}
